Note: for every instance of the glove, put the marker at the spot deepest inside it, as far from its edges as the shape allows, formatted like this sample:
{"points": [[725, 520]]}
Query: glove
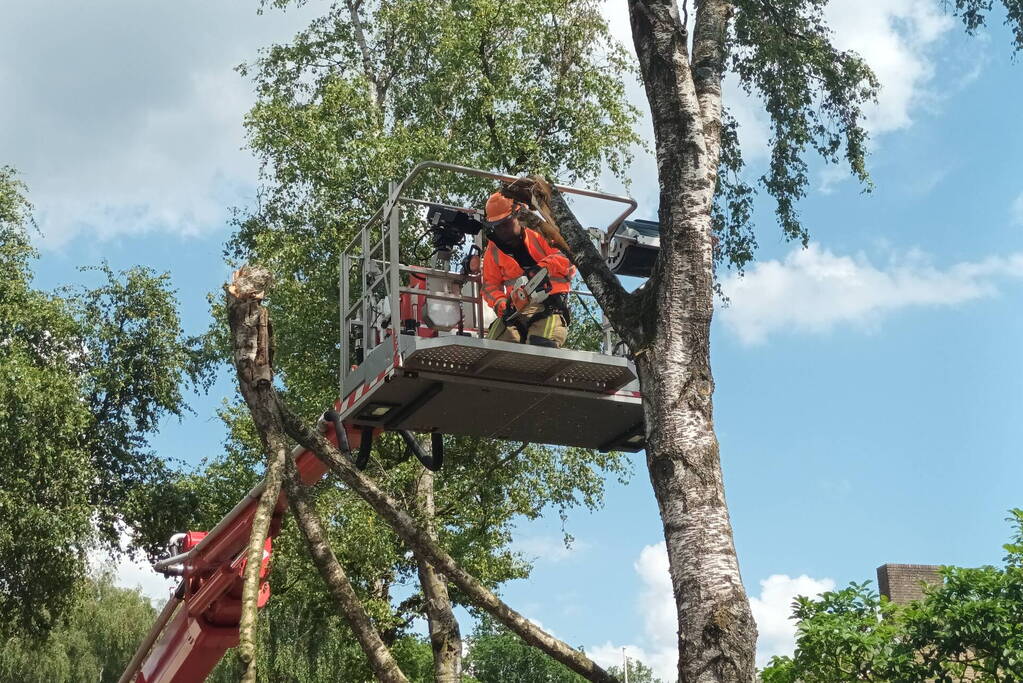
{"points": [[501, 307]]}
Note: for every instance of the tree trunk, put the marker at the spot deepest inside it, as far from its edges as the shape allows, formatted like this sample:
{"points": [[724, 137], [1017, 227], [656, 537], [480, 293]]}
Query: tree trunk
{"points": [[445, 636], [667, 326], [252, 346], [253, 353], [717, 634], [381, 661]]}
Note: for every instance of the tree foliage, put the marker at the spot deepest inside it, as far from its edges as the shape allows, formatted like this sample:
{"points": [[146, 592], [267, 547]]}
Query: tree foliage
{"points": [[305, 641], [135, 361], [93, 643], [85, 377], [498, 656], [782, 52], [969, 628]]}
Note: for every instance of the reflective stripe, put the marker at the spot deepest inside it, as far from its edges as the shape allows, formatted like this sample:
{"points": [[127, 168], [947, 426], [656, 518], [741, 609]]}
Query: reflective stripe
{"points": [[561, 279], [531, 235], [493, 292]]}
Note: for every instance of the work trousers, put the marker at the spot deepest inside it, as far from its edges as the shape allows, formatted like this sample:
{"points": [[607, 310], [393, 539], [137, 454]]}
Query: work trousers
{"points": [[546, 329]]}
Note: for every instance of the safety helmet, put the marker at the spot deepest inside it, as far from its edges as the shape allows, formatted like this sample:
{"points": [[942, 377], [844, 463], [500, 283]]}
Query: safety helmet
{"points": [[500, 208]]}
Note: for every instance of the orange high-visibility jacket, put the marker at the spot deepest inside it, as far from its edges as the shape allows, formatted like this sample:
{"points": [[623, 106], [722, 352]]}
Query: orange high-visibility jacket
{"points": [[501, 271]]}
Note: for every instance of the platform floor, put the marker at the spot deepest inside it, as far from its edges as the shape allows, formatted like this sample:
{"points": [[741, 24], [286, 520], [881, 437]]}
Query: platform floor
{"points": [[476, 387]]}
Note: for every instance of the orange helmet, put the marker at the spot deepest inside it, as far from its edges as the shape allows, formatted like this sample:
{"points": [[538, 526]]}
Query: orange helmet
{"points": [[500, 207]]}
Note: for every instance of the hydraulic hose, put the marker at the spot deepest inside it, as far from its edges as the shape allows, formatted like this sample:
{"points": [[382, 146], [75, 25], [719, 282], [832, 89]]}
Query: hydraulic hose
{"points": [[342, 439], [365, 444], [433, 461]]}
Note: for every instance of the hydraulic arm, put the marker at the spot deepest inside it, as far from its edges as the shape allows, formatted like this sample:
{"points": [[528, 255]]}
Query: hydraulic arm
{"points": [[200, 621]]}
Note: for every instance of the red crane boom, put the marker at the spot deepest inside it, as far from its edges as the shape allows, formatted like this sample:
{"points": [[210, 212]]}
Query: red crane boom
{"points": [[200, 621]]}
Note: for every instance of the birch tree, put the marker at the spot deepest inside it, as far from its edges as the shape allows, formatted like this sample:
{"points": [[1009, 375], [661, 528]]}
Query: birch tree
{"points": [[813, 93]]}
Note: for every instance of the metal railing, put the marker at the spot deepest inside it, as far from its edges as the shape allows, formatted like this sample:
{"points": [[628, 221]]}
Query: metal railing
{"points": [[374, 257]]}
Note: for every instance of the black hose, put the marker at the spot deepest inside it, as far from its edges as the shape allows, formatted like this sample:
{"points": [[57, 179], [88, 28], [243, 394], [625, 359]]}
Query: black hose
{"points": [[433, 461], [342, 439], [365, 445]]}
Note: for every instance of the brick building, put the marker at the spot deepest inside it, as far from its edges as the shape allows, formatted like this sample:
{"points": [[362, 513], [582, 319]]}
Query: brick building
{"points": [[902, 583]]}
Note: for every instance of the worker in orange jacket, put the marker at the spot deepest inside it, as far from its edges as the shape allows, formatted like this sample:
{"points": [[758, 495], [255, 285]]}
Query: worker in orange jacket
{"points": [[514, 254]]}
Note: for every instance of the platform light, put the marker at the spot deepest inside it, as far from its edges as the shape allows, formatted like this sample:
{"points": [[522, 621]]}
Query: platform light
{"points": [[375, 411]]}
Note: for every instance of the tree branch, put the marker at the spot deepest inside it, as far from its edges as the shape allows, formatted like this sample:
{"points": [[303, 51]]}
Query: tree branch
{"points": [[367, 56], [477, 482], [419, 540], [252, 344], [381, 661], [445, 635], [488, 114], [709, 46], [602, 283]]}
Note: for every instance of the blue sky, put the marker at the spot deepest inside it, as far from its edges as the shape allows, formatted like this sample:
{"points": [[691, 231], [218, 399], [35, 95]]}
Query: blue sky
{"points": [[868, 395]]}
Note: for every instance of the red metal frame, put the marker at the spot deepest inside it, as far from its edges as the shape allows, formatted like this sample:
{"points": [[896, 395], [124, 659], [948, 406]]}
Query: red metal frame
{"points": [[204, 623]]}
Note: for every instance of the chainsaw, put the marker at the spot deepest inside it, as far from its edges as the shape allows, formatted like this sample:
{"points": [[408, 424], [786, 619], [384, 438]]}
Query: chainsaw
{"points": [[533, 292]]}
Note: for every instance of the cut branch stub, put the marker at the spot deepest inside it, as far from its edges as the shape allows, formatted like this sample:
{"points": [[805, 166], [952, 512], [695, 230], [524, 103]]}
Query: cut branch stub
{"points": [[251, 333], [250, 282]]}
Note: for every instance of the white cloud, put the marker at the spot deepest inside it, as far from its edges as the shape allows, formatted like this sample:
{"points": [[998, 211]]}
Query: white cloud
{"points": [[658, 647], [814, 290], [1016, 210], [127, 117], [896, 38], [773, 609], [134, 574]]}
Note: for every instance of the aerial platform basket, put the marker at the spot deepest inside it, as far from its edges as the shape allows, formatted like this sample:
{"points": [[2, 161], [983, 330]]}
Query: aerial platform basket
{"points": [[416, 375]]}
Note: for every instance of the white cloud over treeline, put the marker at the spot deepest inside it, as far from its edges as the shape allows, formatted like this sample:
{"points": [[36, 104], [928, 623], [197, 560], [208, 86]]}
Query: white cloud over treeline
{"points": [[815, 290], [657, 646]]}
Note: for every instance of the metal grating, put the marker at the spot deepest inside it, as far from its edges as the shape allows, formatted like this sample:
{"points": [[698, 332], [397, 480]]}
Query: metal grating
{"points": [[506, 362], [592, 373], [453, 357], [521, 364]]}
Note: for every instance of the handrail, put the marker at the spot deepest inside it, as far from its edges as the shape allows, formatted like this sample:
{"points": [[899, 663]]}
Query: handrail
{"points": [[426, 165], [389, 249]]}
